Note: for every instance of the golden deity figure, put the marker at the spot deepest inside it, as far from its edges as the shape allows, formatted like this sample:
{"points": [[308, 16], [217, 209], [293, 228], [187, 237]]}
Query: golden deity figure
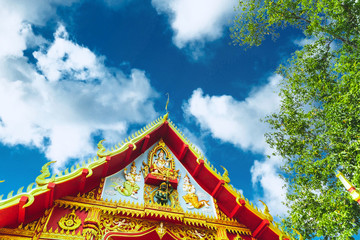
{"points": [[130, 187], [161, 166], [191, 197]]}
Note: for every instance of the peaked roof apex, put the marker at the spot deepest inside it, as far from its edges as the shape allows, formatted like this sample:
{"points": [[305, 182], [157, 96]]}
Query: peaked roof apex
{"points": [[140, 134]]}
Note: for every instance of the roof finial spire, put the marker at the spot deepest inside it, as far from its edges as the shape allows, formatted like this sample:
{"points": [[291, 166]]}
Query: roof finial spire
{"points": [[167, 102], [167, 112]]}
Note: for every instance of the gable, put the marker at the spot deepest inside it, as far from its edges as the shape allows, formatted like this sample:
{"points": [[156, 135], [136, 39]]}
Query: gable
{"points": [[234, 213], [138, 182]]}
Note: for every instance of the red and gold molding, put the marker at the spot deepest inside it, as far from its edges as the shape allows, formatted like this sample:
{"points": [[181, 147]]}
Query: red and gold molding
{"points": [[108, 220], [88, 179]]}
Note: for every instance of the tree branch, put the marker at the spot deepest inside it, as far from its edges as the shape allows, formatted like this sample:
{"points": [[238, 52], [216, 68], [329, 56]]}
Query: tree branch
{"points": [[293, 15]]}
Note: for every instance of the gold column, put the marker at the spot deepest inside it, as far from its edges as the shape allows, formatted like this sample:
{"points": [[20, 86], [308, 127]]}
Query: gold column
{"points": [[221, 234], [91, 229]]}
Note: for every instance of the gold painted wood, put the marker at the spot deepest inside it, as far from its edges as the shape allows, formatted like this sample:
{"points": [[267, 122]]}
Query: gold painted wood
{"points": [[70, 221]]}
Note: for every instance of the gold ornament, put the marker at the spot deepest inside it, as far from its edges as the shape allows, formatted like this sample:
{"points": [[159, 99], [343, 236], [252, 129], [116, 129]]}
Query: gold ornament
{"points": [[267, 212], [238, 237], [221, 234], [161, 230], [42, 179], [160, 164], [70, 221], [225, 175]]}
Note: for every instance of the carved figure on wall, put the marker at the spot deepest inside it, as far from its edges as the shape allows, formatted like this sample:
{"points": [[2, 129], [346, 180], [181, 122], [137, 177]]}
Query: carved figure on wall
{"points": [[162, 194], [161, 230], [150, 200], [160, 163], [198, 234], [187, 185], [121, 223], [191, 198], [129, 187]]}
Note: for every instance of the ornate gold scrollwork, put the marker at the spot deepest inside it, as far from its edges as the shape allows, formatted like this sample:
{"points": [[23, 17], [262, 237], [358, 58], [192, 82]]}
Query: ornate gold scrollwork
{"points": [[132, 225], [124, 224], [70, 221], [184, 232], [91, 225]]}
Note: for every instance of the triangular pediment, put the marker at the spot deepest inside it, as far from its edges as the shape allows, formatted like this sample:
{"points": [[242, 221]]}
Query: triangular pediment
{"points": [[131, 179], [140, 183]]}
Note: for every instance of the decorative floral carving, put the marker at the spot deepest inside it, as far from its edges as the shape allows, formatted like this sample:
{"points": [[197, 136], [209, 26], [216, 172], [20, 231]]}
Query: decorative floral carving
{"points": [[132, 225], [190, 233], [124, 224], [70, 221]]}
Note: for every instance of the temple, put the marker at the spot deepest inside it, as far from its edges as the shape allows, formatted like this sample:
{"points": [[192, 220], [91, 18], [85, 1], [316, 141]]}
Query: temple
{"points": [[155, 185]]}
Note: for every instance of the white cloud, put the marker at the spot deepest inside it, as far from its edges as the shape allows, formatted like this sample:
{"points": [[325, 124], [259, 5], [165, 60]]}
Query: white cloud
{"points": [[266, 174], [233, 121], [67, 95], [13, 31], [16, 19], [238, 122], [65, 56], [195, 22], [34, 11]]}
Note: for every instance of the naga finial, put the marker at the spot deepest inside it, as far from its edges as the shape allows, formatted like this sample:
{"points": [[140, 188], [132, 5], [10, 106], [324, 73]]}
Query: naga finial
{"points": [[267, 212], [225, 175], [101, 148], [45, 172]]}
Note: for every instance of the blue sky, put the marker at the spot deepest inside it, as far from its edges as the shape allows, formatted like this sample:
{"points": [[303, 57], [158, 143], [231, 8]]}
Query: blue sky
{"points": [[74, 72]]}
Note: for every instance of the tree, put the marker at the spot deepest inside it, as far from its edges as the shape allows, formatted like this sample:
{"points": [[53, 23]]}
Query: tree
{"points": [[317, 129]]}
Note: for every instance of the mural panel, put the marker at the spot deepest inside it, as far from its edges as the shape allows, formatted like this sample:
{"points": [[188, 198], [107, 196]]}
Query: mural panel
{"points": [[158, 177], [127, 184]]}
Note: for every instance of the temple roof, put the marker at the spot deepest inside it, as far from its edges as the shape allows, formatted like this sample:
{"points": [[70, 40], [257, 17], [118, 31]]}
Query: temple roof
{"points": [[27, 206]]}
